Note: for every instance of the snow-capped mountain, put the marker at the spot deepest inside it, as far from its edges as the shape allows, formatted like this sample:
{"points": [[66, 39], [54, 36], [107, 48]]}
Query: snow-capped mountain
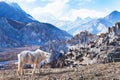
{"points": [[113, 17], [68, 25], [13, 11], [94, 26], [63, 24], [17, 28], [97, 26]]}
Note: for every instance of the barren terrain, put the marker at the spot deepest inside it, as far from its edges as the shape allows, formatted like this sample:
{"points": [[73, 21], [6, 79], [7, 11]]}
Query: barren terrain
{"points": [[109, 71]]}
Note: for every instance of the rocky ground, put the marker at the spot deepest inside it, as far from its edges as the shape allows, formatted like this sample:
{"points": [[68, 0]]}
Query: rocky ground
{"points": [[110, 71]]}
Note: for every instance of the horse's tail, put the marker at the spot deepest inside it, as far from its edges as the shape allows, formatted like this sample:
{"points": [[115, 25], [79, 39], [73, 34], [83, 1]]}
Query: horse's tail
{"points": [[19, 58]]}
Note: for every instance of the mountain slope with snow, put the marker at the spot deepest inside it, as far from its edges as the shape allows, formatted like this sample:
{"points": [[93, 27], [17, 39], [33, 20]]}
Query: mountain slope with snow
{"points": [[13, 11], [22, 29], [97, 26], [64, 24]]}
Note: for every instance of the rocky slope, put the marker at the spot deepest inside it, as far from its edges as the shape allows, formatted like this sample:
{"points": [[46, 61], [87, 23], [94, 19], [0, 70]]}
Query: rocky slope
{"points": [[103, 48]]}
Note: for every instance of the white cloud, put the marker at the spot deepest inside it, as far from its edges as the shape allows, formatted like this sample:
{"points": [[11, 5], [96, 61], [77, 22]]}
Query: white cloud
{"points": [[9, 0], [83, 13], [30, 0], [60, 9], [56, 8], [18, 1], [89, 0]]}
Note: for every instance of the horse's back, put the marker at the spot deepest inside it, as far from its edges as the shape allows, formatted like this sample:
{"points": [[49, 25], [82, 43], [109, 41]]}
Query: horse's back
{"points": [[25, 56]]}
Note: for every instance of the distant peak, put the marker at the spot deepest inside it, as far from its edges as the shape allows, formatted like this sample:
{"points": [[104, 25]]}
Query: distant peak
{"points": [[78, 19], [115, 12], [15, 5], [12, 4], [87, 18], [2, 2]]}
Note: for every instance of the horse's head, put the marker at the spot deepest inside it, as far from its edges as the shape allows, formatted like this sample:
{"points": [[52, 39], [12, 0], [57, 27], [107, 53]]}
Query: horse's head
{"points": [[46, 54], [43, 53]]}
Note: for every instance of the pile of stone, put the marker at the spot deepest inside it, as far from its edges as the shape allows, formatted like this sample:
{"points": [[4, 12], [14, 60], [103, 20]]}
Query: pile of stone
{"points": [[104, 48]]}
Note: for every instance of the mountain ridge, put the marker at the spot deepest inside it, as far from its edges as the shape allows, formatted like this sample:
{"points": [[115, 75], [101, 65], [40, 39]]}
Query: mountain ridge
{"points": [[91, 24], [94, 25], [22, 29]]}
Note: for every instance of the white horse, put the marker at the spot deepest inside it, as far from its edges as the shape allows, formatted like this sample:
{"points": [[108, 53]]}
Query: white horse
{"points": [[31, 57]]}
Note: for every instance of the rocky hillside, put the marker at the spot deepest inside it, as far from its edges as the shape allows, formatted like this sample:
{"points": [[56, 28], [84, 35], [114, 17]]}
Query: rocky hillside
{"points": [[82, 37], [19, 28], [103, 48]]}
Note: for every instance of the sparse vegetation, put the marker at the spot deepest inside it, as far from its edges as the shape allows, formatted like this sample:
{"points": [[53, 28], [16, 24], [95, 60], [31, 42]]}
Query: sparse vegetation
{"points": [[109, 71]]}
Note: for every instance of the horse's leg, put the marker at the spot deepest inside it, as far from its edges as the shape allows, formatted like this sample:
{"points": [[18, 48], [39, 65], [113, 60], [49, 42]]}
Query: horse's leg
{"points": [[38, 66], [34, 68], [21, 69], [39, 69]]}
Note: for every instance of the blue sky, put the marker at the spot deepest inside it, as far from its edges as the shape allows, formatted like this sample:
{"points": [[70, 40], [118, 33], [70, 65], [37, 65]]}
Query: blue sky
{"points": [[68, 9]]}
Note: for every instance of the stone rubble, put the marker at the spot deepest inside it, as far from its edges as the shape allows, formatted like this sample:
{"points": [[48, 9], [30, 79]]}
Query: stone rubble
{"points": [[103, 48]]}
